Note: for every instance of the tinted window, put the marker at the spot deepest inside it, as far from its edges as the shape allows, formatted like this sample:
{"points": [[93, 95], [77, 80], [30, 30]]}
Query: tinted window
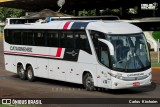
{"points": [[13, 36], [95, 35], [30, 38], [52, 39], [39, 39], [102, 49], [27, 38], [81, 41], [17, 38], [64, 39], [67, 39], [7, 35]]}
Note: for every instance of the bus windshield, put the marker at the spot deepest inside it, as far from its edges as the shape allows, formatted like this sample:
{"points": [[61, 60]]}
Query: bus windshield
{"points": [[130, 52]]}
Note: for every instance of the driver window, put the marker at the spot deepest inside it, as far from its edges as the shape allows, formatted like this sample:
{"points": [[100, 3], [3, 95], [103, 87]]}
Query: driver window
{"points": [[103, 54], [101, 48]]}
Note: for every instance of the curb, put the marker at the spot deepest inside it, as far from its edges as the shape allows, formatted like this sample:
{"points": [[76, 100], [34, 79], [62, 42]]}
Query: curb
{"points": [[155, 67]]}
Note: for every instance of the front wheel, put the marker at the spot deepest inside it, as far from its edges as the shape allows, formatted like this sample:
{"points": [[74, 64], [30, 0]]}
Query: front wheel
{"points": [[30, 74], [21, 72], [88, 82]]}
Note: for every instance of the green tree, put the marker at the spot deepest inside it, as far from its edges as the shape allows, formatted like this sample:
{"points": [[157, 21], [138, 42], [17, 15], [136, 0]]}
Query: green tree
{"points": [[87, 13], [10, 12]]}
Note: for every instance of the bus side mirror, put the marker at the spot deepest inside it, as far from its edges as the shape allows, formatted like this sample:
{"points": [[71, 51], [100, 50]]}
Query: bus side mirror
{"points": [[149, 46], [109, 44], [154, 43]]}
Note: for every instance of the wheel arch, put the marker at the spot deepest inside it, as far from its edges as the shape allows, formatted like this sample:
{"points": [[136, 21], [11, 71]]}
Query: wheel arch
{"points": [[94, 76], [27, 65], [20, 63]]}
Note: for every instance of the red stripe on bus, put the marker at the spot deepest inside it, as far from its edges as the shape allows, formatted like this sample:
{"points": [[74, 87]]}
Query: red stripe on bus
{"points": [[26, 53], [66, 25], [59, 51]]}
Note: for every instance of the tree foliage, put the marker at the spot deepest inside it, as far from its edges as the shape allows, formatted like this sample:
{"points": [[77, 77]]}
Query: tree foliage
{"points": [[101, 12], [87, 13], [10, 12]]}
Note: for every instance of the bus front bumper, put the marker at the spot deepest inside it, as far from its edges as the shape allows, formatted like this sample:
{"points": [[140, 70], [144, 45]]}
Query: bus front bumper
{"points": [[121, 84]]}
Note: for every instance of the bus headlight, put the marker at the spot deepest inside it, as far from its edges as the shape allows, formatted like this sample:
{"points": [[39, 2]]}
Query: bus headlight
{"points": [[149, 74], [118, 75]]}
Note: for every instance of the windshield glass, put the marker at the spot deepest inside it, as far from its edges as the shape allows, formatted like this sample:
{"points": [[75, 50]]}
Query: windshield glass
{"points": [[130, 51]]}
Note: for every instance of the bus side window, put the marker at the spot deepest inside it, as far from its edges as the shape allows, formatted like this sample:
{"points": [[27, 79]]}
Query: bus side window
{"points": [[95, 35], [25, 38], [78, 41], [85, 44], [52, 39], [67, 39], [102, 49], [103, 55], [13, 37], [30, 38], [17, 38], [7, 35], [81, 41], [39, 39]]}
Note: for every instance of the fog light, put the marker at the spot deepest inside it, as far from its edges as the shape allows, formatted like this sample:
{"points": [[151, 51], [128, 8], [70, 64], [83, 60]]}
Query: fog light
{"points": [[149, 74], [150, 80]]}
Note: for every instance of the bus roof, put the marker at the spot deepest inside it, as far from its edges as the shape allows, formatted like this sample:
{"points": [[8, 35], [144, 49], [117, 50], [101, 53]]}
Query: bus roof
{"points": [[111, 27], [23, 20]]}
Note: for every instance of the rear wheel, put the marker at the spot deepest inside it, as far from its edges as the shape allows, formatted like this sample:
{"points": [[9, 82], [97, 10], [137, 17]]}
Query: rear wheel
{"points": [[88, 82], [30, 74], [21, 72]]}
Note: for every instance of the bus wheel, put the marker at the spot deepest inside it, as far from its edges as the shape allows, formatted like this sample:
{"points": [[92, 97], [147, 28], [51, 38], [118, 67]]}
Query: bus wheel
{"points": [[30, 74], [21, 72], [88, 82]]}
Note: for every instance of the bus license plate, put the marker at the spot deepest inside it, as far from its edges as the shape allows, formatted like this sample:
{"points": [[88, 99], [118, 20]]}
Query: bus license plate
{"points": [[136, 84]]}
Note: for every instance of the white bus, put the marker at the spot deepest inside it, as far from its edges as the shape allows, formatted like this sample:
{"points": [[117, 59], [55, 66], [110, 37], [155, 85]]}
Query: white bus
{"points": [[107, 54]]}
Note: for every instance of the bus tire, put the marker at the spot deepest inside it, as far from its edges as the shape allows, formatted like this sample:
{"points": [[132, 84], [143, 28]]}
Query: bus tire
{"points": [[88, 82], [21, 72], [30, 74]]}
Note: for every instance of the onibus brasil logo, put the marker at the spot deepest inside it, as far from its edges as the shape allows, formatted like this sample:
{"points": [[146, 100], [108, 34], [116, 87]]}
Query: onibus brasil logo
{"points": [[152, 6]]}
